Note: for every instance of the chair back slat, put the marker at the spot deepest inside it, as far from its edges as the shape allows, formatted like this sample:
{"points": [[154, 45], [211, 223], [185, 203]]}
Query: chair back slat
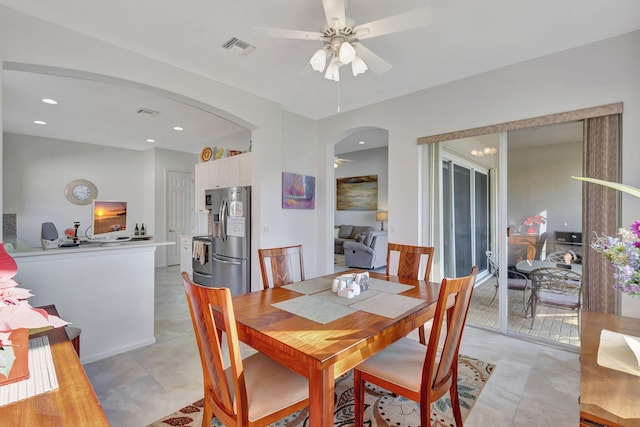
{"points": [[454, 299], [212, 313], [556, 280], [413, 262], [281, 266]]}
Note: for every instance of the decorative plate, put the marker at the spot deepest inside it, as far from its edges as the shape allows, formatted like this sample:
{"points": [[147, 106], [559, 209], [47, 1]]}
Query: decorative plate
{"points": [[205, 154]]}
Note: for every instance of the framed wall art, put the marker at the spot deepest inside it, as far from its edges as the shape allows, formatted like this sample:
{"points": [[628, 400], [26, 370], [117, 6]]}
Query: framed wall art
{"points": [[298, 191], [358, 193]]}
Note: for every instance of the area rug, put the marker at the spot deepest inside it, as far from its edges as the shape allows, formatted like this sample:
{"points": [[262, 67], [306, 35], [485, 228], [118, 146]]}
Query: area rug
{"points": [[381, 407]]}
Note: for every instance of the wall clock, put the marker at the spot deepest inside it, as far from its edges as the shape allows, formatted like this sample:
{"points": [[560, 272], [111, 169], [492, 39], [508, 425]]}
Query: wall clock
{"points": [[81, 191]]}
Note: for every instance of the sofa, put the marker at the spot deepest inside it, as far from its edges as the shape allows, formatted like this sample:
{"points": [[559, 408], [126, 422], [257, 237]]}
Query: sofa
{"points": [[370, 253], [346, 233]]}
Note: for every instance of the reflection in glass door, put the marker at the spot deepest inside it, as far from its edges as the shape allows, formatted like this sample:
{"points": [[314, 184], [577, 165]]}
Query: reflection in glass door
{"points": [[465, 218]]}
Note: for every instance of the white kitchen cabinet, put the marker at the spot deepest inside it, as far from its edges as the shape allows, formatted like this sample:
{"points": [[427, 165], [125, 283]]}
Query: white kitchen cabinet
{"points": [[201, 184], [244, 169], [222, 173], [186, 254]]}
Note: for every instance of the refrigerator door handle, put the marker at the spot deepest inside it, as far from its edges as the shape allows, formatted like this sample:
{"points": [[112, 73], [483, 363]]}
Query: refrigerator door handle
{"points": [[223, 226], [223, 261]]}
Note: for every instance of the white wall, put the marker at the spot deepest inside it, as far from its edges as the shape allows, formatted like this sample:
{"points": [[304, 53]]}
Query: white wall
{"points": [[587, 76], [164, 161], [366, 162], [21, 42], [36, 171], [297, 155], [540, 181]]}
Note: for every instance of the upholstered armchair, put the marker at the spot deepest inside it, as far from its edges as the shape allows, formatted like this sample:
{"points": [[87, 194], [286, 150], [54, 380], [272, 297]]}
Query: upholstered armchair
{"points": [[371, 253]]}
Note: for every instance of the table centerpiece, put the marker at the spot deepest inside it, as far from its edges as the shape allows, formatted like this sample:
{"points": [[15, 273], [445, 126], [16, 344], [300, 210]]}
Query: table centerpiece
{"points": [[622, 251], [16, 318]]}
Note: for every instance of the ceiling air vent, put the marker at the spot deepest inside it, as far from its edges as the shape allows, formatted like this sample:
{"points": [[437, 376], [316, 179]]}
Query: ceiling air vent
{"points": [[147, 112], [238, 47]]}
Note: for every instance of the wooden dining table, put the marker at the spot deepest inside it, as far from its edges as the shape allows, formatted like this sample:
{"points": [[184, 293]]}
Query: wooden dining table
{"points": [[322, 352]]}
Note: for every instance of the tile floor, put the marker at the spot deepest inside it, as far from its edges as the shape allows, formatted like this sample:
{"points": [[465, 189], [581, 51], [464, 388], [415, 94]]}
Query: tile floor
{"points": [[532, 385]]}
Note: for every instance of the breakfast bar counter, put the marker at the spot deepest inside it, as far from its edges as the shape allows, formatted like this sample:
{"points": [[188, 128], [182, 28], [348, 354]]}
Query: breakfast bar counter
{"points": [[105, 290]]}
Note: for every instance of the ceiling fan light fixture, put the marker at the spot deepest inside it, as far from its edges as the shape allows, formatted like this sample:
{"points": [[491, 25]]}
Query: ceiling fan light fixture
{"points": [[347, 52], [318, 60], [358, 66], [333, 70]]}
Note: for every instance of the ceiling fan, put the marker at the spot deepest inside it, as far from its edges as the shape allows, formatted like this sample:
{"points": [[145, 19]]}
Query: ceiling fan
{"points": [[337, 161], [341, 39]]}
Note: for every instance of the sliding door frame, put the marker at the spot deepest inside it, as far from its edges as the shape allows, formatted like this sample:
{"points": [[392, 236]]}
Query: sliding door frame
{"points": [[601, 207]]}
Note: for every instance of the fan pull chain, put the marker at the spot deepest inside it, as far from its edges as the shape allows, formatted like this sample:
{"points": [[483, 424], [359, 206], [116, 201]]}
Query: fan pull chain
{"points": [[338, 96]]}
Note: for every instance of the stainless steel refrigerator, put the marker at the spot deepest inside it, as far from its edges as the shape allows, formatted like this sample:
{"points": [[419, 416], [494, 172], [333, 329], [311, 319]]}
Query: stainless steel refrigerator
{"points": [[231, 238]]}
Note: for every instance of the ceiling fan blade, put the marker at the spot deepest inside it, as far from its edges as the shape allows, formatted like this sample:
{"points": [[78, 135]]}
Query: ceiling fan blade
{"points": [[393, 24], [287, 34], [334, 10], [373, 61]]}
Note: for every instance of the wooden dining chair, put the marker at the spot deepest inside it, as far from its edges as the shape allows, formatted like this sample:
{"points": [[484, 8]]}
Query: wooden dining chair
{"points": [[281, 266], [412, 262], [418, 372], [254, 391]]}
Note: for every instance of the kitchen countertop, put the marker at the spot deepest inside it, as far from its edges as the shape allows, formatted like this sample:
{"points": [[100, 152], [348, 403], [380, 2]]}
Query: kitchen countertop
{"points": [[89, 247]]}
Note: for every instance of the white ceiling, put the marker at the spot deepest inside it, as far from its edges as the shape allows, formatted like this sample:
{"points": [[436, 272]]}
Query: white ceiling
{"points": [[465, 37]]}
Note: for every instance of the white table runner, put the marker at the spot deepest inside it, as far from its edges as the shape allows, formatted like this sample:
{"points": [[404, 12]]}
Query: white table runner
{"points": [[620, 352], [42, 374]]}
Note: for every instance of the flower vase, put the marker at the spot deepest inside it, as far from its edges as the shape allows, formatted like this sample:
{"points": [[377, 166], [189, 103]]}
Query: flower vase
{"points": [[14, 362]]}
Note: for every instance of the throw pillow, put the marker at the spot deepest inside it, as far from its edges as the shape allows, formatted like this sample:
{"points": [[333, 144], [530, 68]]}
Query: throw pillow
{"points": [[345, 231], [336, 232]]}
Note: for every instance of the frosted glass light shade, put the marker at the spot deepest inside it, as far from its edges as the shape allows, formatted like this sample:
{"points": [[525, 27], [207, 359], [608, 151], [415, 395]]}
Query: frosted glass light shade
{"points": [[318, 60], [333, 71], [347, 53], [358, 66]]}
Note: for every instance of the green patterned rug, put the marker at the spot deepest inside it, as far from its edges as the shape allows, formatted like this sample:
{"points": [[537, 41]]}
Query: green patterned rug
{"points": [[381, 407]]}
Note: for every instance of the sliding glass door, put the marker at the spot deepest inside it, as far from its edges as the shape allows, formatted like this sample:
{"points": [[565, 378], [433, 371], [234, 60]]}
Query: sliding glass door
{"points": [[465, 217]]}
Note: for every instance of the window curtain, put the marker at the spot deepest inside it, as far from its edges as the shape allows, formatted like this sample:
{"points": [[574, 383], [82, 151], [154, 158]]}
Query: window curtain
{"points": [[599, 209]]}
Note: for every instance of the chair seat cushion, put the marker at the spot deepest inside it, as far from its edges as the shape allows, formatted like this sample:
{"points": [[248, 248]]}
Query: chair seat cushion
{"points": [[400, 363], [564, 300], [518, 284], [271, 386]]}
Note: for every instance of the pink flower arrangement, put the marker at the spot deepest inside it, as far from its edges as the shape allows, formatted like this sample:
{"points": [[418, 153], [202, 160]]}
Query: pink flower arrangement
{"points": [[15, 311], [533, 223]]}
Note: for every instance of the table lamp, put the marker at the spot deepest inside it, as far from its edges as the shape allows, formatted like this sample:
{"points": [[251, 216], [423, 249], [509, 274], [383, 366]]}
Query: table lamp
{"points": [[382, 216]]}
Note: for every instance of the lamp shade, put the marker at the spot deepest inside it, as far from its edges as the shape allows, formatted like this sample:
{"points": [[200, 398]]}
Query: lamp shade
{"points": [[358, 66], [333, 70], [318, 60], [347, 53], [382, 216]]}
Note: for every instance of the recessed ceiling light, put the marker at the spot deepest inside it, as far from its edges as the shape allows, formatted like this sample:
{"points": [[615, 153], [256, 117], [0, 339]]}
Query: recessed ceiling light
{"points": [[177, 128], [151, 140], [39, 122], [361, 143], [49, 101]]}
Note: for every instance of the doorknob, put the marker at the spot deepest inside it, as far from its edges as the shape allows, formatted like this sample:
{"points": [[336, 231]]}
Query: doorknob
{"points": [[172, 231]]}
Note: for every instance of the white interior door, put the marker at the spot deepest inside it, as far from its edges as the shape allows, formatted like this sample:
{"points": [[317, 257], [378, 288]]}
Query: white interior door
{"points": [[179, 211]]}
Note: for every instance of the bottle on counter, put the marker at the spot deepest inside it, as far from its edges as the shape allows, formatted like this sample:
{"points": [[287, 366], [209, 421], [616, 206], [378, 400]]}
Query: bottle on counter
{"points": [[137, 230], [142, 230]]}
